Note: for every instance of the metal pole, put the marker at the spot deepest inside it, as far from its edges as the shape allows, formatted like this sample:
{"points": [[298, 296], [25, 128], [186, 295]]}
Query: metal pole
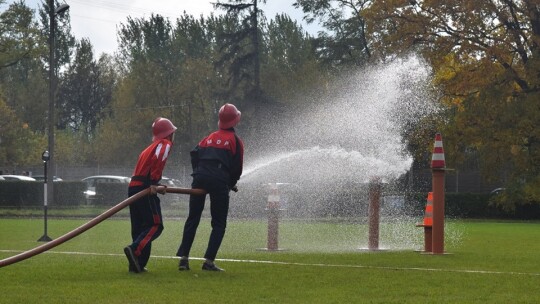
{"points": [[44, 237], [273, 218], [374, 213], [52, 88]]}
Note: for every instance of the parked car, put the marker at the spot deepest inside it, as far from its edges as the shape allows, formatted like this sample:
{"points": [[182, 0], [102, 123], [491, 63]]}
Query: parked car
{"points": [[497, 191], [91, 182], [42, 178], [169, 182], [17, 177]]}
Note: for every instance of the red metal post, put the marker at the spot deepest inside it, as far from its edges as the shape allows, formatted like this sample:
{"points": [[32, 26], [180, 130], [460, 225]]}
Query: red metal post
{"points": [[428, 239], [438, 166], [374, 213], [438, 211]]}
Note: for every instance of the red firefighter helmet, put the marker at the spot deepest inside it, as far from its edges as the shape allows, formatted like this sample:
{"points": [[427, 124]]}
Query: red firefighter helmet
{"points": [[161, 128], [229, 116]]}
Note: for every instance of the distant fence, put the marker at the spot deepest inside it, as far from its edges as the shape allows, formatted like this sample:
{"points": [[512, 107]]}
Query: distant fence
{"points": [[76, 173], [455, 181], [24, 194], [414, 181]]}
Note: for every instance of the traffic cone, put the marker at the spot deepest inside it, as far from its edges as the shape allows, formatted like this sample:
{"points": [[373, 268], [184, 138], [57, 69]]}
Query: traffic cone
{"points": [[437, 159], [428, 215], [428, 224]]}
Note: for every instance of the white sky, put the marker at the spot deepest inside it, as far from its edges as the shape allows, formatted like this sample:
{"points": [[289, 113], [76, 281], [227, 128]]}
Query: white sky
{"points": [[97, 20]]}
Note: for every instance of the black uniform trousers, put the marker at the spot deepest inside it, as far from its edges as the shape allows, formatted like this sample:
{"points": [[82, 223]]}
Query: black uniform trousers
{"points": [[219, 209], [146, 224]]}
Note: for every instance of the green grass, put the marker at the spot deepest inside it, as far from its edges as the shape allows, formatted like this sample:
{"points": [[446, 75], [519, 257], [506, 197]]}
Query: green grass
{"points": [[490, 262]]}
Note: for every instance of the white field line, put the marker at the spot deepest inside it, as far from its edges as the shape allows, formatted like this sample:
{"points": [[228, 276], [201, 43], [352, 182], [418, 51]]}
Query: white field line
{"points": [[305, 264]]}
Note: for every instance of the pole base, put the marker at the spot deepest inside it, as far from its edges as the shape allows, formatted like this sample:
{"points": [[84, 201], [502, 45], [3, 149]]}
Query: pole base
{"points": [[44, 238], [433, 253], [372, 249], [272, 249]]}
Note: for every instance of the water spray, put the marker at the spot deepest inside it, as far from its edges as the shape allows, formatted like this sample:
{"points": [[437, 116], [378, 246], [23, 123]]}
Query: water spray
{"points": [[342, 139]]}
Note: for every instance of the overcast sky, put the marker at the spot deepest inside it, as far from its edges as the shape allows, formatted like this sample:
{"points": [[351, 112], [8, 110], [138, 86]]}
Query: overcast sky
{"points": [[97, 20]]}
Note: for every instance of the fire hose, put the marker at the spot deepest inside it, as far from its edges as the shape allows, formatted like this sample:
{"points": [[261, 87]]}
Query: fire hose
{"points": [[100, 218]]}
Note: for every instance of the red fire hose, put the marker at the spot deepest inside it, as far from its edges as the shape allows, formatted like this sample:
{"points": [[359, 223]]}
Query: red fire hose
{"points": [[105, 215]]}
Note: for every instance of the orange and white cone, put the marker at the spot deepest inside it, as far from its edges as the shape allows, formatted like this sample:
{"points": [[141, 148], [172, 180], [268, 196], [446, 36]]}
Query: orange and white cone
{"points": [[428, 224], [428, 216], [437, 159]]}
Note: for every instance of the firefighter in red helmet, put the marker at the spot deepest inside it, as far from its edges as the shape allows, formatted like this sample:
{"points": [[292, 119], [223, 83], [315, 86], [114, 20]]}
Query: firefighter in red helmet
{"points": [[217, 166], [145, 213]]}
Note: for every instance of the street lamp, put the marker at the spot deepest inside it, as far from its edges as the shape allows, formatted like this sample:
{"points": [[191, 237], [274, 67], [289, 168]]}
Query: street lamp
{"points": [[60, 10], [45, 157]]}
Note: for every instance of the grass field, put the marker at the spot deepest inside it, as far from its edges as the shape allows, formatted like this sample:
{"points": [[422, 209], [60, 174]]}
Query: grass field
{"points": [[492, 262]]}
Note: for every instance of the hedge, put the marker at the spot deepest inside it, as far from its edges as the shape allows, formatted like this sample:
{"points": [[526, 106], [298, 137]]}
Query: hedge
{"points": [[110, 194], [23, 194], [474, 205]]}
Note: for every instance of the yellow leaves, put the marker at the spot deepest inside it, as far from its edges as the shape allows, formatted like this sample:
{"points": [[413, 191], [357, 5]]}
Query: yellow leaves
{"points": [[515, 150], [532, 190], [448, 69], [456, 102]]}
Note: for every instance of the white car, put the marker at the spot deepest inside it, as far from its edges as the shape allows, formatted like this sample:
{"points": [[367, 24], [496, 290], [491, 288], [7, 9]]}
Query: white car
{"points": [[91, 182], [17, 178], [169, 182], [42, 178]]}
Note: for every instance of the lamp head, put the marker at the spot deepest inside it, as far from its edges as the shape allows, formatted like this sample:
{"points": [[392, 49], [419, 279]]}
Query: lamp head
{"points": [[60, 10], [45, 156]]}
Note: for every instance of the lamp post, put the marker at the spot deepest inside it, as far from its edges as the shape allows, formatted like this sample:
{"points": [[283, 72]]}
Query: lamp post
{"points": [[60, 10], [45, 157]]}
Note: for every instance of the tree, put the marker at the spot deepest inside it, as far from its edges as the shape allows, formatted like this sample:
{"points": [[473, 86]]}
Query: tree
{"points": [[486, 61], [85, 90], [240, 50], [199, 86], [19, 36], [64, 40], [290, 67], [346, 43], [168, 73], [145, 90], [19, 145], [21, 73]]}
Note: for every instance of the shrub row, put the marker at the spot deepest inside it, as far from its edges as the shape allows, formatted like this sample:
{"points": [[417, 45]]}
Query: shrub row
{"points": [[23, 194], [20, 194], [477, 206]]}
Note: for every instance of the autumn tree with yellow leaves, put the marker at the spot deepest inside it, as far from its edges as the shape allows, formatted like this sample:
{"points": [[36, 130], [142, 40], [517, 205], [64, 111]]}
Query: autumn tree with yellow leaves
{"points": [[486, 61]]}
